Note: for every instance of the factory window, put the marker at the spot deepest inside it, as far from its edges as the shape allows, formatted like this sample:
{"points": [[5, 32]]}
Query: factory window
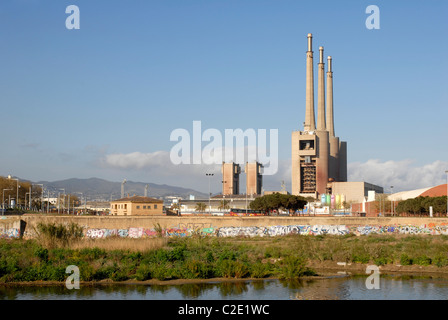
{"points": [[144, 207], [306, 145], [138, 207], [155, 206], [149, 207]]}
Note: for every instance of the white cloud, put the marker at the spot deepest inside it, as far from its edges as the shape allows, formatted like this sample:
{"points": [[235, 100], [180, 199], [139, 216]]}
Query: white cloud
{"points": [[157, 162], [402, 175]]}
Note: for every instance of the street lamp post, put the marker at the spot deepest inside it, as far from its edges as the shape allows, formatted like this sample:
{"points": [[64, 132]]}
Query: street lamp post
{"points": [[17, 197], [209, 175], [3, 201], [29, 193]]}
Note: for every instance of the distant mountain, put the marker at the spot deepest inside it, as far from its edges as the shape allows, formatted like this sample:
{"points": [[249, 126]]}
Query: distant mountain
{"points": [[99, 189]]}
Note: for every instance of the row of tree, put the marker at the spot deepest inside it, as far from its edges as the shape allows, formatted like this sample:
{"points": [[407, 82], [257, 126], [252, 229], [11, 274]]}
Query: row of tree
{"points": [[278, 201], [13, 188], [420, 205], [201, 206], [267, 203]]}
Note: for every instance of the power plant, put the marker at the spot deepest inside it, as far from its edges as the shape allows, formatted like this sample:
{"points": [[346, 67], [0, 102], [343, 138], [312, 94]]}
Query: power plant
{"points": [[318, 157]]}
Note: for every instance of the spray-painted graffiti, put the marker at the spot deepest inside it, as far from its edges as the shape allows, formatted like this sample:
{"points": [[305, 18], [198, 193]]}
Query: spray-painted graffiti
{"points": [[9, 233], [401, 229], [282, 230], [187, 230], [206, 229]]}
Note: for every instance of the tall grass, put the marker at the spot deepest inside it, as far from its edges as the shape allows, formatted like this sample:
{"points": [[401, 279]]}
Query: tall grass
{"points": [[54, 235], [197, 257]]}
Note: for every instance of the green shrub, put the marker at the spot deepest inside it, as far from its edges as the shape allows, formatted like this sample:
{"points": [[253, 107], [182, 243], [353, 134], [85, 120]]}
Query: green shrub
{"points": [[41, 253], [422, 260], [58, 235], [160, 271], [143, 272], [260, 270], [381, 261], [294, 267], [405, 260], [194, 269], [231, 269], [360, 258], [441, 260], [92, 253], [103, 273]]}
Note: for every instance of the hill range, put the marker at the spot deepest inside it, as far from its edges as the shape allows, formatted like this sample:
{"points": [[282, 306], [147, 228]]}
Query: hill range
{"points": [[103, 190]]}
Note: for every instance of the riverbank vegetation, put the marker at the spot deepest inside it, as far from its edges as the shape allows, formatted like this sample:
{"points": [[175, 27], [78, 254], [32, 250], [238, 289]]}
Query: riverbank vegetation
{"points": [[198, 257]]}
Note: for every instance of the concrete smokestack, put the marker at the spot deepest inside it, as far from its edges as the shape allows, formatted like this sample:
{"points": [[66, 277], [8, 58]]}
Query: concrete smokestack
{"points": [[321, 91], [334, 168], [310, 122], [323, 146], [330, 118]]}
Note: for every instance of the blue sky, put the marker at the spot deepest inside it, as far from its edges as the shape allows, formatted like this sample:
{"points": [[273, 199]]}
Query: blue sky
{"points": [[137, 70]]}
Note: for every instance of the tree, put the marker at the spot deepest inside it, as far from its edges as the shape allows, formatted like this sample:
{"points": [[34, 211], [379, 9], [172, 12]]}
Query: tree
{"points": [[278, 201], [224, 204], [200, 207], [420, 205]]}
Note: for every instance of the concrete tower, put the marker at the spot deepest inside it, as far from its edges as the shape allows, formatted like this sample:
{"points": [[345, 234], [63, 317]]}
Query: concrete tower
{"points": [[254, 179], [323, 147], [310, 122], [316, 153], [230, 178], [333, 168], [321, 91]]}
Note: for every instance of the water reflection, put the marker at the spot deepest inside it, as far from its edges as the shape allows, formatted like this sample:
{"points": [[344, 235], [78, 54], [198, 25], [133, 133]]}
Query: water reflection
{"points": [[336, 288]]}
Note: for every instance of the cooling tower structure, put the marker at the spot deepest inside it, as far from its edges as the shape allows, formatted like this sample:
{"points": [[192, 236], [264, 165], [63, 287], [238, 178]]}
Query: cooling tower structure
{"points": [[318, 157]]}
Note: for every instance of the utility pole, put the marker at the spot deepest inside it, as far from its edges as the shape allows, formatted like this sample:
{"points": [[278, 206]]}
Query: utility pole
{"points": [[209, 193]]}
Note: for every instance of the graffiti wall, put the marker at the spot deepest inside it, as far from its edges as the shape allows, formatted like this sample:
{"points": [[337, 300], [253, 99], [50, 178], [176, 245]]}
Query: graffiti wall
{"points": [[270, 231], [10, 228], [9, 233]]}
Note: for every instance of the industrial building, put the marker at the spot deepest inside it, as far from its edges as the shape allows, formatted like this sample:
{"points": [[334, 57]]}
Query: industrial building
{"points": [[136, 206], [231, 178], [318, 157]]}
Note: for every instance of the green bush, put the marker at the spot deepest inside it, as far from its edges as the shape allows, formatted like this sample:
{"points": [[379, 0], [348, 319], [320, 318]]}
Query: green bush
{"points": [[360, 258], [160, 271], [231, 269], [293, 267], [58, 235], [143, 272], [42, 254], [405, 260], [422, 260], [260, 270], [194, 269], [441, 260]]}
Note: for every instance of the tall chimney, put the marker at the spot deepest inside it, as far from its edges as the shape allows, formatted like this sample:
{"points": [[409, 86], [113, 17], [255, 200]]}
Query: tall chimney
{"points": [[310, 122], [330, 117], [321, 91]]}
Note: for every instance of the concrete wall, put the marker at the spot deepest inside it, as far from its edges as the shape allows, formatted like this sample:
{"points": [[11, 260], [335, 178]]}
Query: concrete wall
{"points": [[117, 222], [148, 226]]}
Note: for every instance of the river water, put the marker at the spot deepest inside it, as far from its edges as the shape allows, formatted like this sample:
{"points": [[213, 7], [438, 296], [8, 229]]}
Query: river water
{"points": [[333, 288]]}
